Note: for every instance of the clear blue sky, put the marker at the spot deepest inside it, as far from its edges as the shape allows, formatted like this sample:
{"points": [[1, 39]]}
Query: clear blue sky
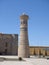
{"points": [[38, 24]]}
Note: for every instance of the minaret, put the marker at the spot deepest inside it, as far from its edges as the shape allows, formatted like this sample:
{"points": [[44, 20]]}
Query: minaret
{"points": [[23, 49]]}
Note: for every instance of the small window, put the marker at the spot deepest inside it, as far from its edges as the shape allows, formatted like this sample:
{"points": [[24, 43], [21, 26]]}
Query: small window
{"points": [[5, 51], [23, 22], [6, 44]]}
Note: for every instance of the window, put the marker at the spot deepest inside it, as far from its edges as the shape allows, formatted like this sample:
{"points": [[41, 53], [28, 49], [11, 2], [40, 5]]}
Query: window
{"points": [[5, 51], [23, 22], [6, 44]]}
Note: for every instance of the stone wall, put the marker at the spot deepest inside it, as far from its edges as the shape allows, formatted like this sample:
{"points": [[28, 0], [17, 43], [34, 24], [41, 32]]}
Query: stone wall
{"points": [[8, 44]]}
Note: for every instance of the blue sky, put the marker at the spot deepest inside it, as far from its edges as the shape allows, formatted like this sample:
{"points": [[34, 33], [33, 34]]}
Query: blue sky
{"points": [[38, 24]]}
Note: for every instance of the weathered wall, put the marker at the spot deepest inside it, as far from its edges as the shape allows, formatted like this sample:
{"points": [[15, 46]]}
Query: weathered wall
{"points": [[9, 44]]}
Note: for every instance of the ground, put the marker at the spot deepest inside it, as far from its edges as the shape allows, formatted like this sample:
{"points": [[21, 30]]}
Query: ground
{"points": [[27, 61]]}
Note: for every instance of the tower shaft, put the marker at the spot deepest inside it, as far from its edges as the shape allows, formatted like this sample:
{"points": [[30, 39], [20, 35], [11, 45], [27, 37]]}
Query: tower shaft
{"points": [[23, 50]]}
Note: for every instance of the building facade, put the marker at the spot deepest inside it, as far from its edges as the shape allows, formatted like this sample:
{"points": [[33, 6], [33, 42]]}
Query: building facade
{"points": [[39, 50], [8, 44]]}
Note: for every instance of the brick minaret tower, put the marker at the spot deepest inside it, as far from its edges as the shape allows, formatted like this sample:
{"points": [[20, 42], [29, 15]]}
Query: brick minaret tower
{"points": [[23, 49]]}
